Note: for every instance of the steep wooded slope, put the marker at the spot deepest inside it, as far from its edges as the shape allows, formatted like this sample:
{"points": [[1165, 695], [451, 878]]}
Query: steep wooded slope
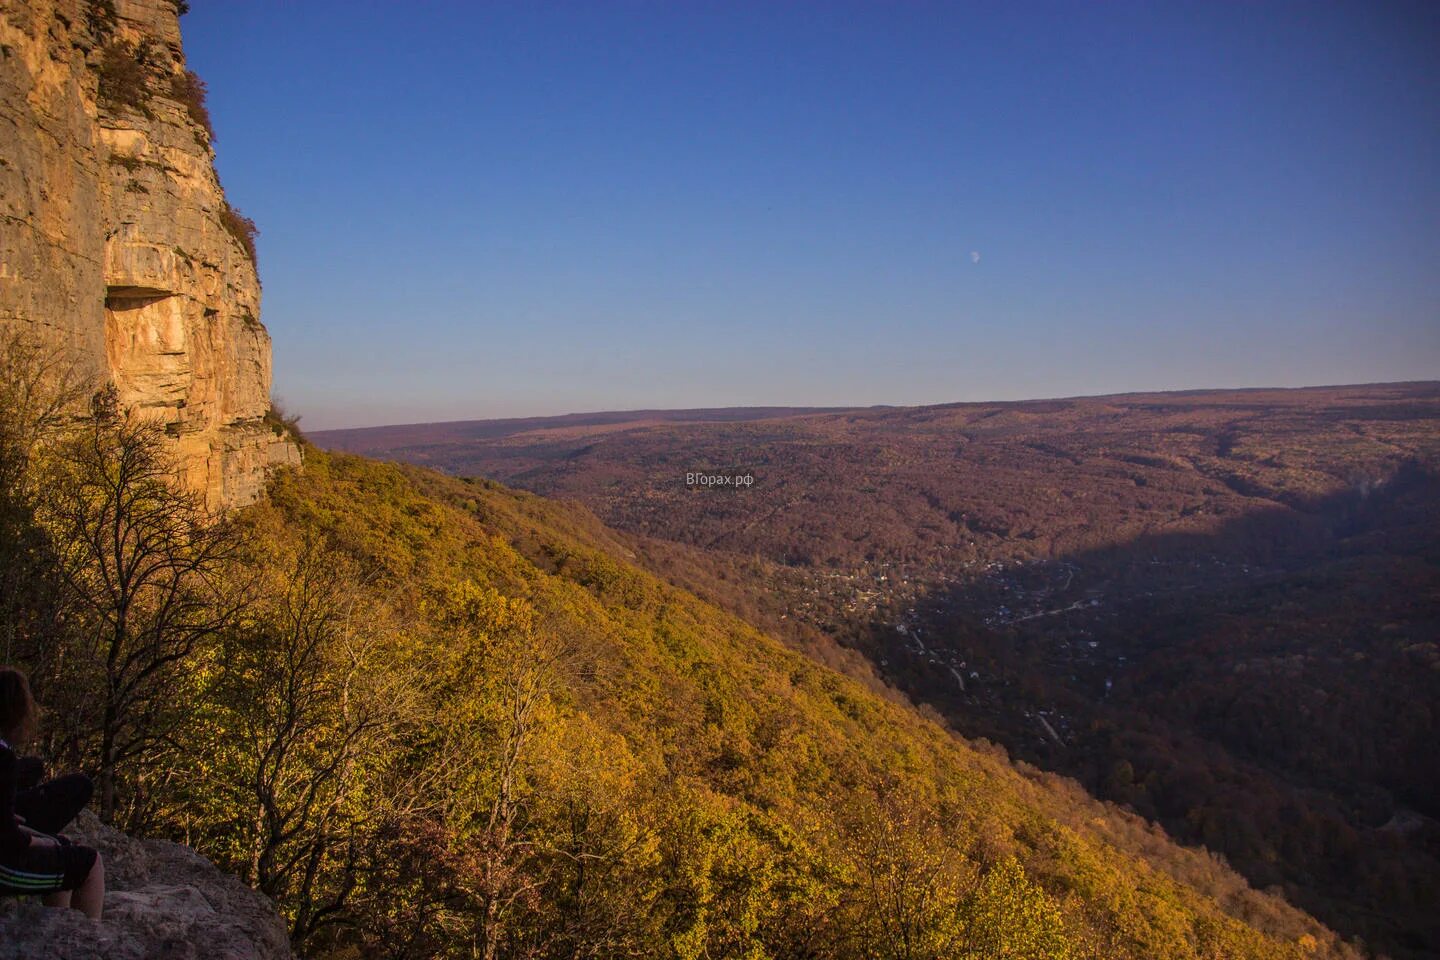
{"points": [[789, 811], [1217, 607]]}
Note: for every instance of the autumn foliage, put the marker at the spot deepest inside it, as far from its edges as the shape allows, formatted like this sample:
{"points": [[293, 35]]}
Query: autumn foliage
{"points": [[433, 718]]}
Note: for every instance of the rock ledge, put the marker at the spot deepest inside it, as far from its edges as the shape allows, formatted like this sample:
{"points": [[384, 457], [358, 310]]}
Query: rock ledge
{"points": [[163, 901]]}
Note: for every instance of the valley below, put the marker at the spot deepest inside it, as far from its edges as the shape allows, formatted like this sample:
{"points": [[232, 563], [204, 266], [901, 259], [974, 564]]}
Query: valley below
{"points": [[1219, 608]]}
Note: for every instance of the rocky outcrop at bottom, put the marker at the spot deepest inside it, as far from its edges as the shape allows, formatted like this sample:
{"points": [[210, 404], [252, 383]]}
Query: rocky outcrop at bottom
{"points": [[163, 901]]}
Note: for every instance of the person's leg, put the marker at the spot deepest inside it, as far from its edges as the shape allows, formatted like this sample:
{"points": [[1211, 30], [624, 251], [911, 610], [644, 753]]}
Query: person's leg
{"points": [[50, 807], [90, 898], [48, 863]]}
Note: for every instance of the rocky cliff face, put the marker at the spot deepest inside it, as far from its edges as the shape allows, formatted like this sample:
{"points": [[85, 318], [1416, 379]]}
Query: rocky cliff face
{"points": [[162, 900], [116, 241]]}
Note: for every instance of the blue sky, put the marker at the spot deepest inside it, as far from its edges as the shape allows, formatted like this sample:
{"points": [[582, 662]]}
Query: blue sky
{"points": [[473, 210]]}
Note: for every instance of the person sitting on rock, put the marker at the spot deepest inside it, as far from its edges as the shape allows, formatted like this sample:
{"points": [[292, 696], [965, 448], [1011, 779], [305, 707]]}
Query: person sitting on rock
{"points": [[48, 806], [31, 862]]}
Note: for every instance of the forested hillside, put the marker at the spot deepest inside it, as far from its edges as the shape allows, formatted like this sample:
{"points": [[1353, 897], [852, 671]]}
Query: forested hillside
{"points": [[1219, 608], [433, 717]]}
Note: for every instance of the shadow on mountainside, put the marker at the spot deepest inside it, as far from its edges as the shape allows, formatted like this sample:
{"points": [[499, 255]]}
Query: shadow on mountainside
{"points": [[1266, 689]]}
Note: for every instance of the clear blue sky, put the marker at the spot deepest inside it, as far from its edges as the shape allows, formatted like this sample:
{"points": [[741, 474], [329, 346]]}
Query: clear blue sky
{"points": [[476, 210]]}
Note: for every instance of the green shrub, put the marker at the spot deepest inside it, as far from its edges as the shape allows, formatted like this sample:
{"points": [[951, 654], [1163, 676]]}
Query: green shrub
{"points": [[242, 228], [282, 423], [101, 17], [189, 90], [124, 75]]}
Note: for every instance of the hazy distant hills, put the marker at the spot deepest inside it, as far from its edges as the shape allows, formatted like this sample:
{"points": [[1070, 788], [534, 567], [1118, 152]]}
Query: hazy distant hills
{"points": [[943, 484], [417, 441], [1219, 607]]}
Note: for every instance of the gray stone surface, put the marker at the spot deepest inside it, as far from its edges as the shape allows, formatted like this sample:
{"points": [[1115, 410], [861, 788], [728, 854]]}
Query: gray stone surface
{"points": [[163, 901]]}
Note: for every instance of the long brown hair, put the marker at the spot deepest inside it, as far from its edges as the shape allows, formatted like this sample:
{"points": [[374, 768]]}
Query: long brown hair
{"points": [[17, 707]]}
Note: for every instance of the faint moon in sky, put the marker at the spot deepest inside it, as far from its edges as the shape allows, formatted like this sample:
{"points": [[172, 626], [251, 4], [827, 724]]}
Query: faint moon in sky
{"points": [[974, 256]]}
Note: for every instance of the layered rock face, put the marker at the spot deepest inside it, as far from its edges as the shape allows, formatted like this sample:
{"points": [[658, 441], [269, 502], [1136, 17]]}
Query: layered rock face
{"points": [[116, 241], [162, 900]]}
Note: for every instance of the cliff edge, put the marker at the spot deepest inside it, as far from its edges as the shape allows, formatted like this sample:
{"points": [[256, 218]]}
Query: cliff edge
{"points": [[118, 245], [163, 901]]}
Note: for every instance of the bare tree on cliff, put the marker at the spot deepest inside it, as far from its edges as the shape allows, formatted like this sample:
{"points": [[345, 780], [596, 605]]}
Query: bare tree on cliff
{"points": [[521, 663], [142, 563], [38, 390], [309, 698]]}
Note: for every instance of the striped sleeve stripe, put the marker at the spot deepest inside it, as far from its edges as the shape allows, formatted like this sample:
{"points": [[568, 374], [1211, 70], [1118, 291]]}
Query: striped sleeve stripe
{"points": [[36, 886], [48, 887], [28, 875], [20, 878]]}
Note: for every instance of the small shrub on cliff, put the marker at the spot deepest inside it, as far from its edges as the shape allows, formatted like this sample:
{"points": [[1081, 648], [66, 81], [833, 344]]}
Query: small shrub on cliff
{"points": [[189, 90], [101, 17], [242, 228], [123, 71], [283, 423]]}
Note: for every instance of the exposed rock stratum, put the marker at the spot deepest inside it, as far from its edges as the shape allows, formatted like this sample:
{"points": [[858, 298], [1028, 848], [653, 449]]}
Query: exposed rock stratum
{"points": [[114, 245]]}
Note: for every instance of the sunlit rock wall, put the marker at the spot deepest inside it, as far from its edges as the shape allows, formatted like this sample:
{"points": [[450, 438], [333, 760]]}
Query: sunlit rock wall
{"points": [[113, 242]]}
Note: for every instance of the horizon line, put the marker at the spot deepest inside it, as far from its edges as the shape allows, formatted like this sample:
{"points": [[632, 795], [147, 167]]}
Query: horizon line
{"points": [[802, 409]]}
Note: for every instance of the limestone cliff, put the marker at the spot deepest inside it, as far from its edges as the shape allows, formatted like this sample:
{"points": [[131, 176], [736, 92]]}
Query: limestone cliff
{"points": [[116, 240]]}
